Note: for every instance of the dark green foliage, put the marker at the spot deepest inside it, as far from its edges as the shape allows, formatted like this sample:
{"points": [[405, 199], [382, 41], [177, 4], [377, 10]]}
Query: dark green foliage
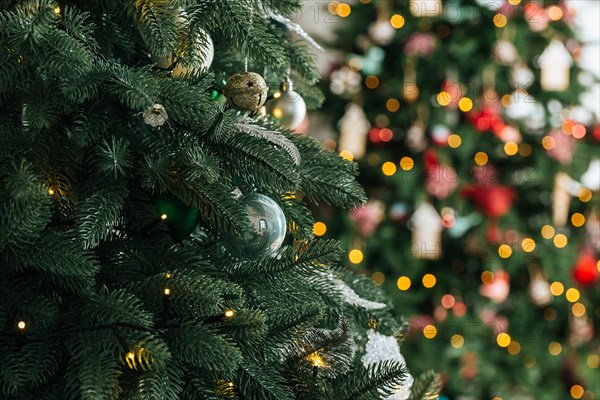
{"points": [[373, 382], [101, 298]]}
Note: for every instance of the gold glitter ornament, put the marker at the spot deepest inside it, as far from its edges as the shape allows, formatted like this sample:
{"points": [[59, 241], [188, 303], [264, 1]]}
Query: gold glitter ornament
{"points": [[246, 91]]}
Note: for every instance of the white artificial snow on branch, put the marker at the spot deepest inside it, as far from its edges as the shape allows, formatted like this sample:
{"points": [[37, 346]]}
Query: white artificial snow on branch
{"points": [[292, 26], [351, 297], [248, 126]]}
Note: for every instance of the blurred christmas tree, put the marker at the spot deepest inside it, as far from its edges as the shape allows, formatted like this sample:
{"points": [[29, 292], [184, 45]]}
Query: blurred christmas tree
{"points": [[483, 175], [145, 199]]}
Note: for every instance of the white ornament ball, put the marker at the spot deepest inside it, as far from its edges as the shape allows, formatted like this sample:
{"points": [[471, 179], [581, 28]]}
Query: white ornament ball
{"points": [[288, 107], [505, 52], [345, 80], [440, 134], [539, 292], [492, 5], [521, 77], [382, 32]]}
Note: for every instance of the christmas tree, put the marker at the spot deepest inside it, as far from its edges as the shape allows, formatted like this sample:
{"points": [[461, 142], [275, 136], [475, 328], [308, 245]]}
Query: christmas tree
{"points": [[482, 171], [155, 235]]}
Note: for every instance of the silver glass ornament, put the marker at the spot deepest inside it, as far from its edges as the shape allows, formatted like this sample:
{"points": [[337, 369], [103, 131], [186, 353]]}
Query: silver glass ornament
{"points": [[246, 91], [268, 227], [287, 107]]}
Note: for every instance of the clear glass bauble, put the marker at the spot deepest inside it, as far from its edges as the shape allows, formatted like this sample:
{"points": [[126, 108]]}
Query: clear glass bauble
{"points": [[268, 227]]}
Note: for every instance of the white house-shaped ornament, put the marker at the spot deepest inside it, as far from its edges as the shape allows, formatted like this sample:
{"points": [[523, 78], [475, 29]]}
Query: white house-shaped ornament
{"points": [[354, 128], [556, 63], [565, 188], [426, 225]]}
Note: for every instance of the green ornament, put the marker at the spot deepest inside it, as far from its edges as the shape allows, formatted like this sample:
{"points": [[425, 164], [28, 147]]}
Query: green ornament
{"points": [[178, 217], [218, 96]]}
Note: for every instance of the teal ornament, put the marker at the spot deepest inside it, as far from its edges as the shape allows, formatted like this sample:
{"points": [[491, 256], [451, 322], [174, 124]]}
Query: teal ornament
{"points": [[463, 224], [372, 60], [268, 227], [178, 217]]}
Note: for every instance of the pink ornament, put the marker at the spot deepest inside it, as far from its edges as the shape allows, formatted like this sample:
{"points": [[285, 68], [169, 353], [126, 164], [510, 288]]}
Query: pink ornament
{"points": [[568, 13], [455, 92], [419, 44], [498, 322], [417, 323], [497, 290], [440, 314], [368, 217], [509, 134], [459, 309], [564, 147], [581, 330], [441, 181], [485, 175], [537, 16], [507, 9]]}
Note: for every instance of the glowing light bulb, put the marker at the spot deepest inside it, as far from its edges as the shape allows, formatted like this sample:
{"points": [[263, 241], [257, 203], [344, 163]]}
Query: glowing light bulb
{"points": [[229, 313], [167, 292], [21, 325], [163, 217], [316, 360], [319, 228]]}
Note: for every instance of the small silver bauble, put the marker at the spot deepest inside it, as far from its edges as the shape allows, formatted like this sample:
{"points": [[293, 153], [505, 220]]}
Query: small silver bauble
{"points": [[287, 107]]}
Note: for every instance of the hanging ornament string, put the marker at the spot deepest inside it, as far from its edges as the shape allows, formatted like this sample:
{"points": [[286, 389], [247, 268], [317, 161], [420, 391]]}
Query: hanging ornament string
{"points": [[246, 49], [422, 115], [489, 84], [410, 88]]}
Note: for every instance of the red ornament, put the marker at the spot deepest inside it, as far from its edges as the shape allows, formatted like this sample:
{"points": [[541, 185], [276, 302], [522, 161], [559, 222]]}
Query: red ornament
{"points": [[494, 201], [596, 133], [487, 119], [586, 271]]}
